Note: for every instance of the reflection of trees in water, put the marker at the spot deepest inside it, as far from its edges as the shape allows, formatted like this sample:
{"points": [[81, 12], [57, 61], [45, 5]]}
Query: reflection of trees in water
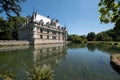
{"points": [[103, 47], [76, 45], [91, 47], [107, 48]]}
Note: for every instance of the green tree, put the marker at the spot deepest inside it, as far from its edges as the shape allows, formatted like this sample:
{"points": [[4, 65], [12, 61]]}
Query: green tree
{"points": [[76, 38], [9, 6], [91, 36], [99, 37], [108, 38], [116, 33], [110, 11], [5, 30], [8, 28], [83, 37], [15, 22]]}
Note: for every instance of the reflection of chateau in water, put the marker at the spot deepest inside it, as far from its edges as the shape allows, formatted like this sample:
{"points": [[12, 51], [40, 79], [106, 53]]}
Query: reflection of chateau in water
{"points": [[49, 54], [19, 61]]}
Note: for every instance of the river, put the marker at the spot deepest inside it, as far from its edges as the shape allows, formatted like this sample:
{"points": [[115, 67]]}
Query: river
{"points": [[69, 62]]}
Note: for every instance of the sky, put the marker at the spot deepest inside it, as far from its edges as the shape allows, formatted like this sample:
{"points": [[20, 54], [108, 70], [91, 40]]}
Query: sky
{"points": [[79, 16]]}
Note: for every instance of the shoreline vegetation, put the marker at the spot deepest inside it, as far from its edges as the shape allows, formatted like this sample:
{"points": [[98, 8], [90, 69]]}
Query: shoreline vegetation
{"points": [[115, 43], [18, 44], [112, 43]]}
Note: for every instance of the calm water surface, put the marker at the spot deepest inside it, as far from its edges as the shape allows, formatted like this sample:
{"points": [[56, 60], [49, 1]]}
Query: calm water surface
{"points": [[71, 62]]}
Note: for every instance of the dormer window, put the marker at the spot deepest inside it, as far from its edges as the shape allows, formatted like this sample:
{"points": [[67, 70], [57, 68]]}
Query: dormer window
{"points": [[58, 27], [53, 23], [47, 24], [41, 22], [57, 21]]}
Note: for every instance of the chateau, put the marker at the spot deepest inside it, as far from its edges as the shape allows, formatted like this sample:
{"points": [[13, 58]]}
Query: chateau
{"points": [[42, 30]]}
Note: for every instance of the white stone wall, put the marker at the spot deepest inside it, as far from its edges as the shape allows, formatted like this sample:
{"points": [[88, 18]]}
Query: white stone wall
{"points": [[43, 41]]}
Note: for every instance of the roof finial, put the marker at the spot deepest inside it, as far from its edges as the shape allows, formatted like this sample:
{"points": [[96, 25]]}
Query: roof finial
{"points": [[36, 11], [33, 9]]}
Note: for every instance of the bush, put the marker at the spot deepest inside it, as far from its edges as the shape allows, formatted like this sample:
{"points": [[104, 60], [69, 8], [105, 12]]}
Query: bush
{"points": [[118, 38], [85, 41], [108, 39]]}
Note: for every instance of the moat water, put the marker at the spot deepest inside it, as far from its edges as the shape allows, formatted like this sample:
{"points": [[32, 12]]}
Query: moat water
{"points": [[69, 62]]}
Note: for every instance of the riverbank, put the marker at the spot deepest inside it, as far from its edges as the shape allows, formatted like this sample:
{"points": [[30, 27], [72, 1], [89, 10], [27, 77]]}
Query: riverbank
{"points": [[18, 43], [113, 43], [13, 43], [115, 62]]}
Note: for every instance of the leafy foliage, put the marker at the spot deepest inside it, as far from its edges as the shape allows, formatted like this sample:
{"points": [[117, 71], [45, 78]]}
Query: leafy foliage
{"points": [[109, 35], [9, 6], [15, 22], [91, 36], [8, 28], [76, 38], [5, 30], [110, 11]]}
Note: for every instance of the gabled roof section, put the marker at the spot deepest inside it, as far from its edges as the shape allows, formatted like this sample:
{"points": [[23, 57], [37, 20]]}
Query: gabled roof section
{"points": [[38, 17]]}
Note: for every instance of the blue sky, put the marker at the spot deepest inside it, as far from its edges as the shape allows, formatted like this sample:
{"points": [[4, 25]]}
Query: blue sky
{"points": [[80, 16]]}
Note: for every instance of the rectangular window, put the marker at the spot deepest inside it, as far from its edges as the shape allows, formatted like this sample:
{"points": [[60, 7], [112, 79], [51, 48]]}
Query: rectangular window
{"points": [[63, 34], [47, 37], [53, 37], [41, 36], [54, 32], [38, 30], [63, 38], [41, 30], [58, 33], [47, 31], [31, 29], [59, 38]]}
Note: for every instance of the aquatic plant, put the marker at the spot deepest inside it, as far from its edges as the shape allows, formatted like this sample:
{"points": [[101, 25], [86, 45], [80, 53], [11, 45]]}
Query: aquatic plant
{"points": [[40, 73], [7, 76]]}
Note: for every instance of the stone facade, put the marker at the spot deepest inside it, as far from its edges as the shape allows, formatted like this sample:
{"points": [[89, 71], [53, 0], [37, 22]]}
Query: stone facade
{"points": [[42, 30]]}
